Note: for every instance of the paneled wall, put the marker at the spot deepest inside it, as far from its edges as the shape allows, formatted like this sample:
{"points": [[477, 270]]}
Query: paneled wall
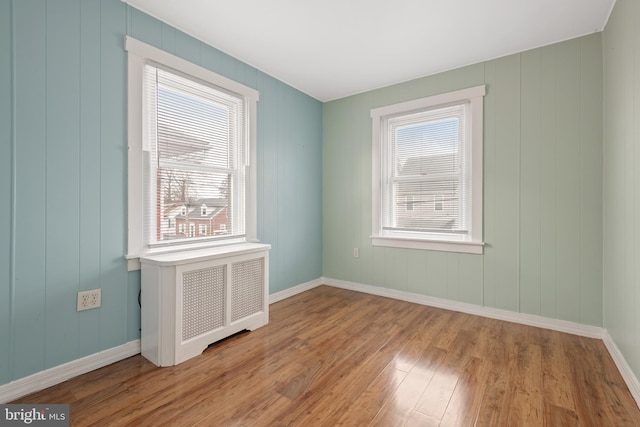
{"points": [[6, 201], [622, 179], [542, 188], [63, 154]]}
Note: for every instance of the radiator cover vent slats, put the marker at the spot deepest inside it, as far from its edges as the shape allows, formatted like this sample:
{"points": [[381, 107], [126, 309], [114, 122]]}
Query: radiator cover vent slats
{"points": [[247, 288], [202, 301]]}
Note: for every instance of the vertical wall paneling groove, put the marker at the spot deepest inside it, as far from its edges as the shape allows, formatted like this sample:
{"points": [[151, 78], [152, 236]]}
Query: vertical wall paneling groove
{"points": [[30, 175], [621, 185], [542, 148], [6, 187], [568, 180], [62, 147], [12, 214], [530, 182], [283, 204], [144, 27], [635, 362], [168, 37], [470, 267], [186, 48], [416, 272], [591, 178], [113, 277], [507, 141], [331, 206], [548, 227], [63, 99], [355, 201], [268, 119], [489, 190], [286, 205], [90, 207]]}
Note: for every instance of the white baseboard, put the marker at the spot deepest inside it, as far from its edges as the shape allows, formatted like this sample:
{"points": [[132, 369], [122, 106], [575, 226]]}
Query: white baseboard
{"points": [[47, 378], [624, 368], [287, 293], [493, 313]]}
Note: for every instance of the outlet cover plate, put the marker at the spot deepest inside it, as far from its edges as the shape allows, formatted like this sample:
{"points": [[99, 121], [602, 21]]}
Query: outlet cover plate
{"points": [[89, 299]]}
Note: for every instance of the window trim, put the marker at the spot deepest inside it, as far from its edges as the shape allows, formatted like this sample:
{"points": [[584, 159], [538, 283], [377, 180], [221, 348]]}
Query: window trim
{"points": [[472, 242], [139, 54]]}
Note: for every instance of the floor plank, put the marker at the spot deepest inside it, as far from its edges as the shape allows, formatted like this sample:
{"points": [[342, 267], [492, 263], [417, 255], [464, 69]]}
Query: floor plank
{"points": [[398, 407], [335, 357]]}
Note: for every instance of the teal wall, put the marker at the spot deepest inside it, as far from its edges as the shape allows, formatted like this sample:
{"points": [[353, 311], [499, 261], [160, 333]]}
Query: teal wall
{"points": [[622, 180], [542, 188], [63, 154]]}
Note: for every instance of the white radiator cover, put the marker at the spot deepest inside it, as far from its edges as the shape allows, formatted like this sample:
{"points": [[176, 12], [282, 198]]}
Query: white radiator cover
{"points": [[191, 299]]}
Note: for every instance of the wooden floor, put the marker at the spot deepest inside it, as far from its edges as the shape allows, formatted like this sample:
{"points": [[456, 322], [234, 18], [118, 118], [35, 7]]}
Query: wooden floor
{"points": [[333, 357]]}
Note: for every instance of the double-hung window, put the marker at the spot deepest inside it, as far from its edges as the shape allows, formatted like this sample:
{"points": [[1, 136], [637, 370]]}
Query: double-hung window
{"points": [[427, 173], [191, 154]]}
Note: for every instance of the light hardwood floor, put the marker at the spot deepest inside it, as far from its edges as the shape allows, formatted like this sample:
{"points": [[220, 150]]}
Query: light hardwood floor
{"points": [[334, 357]]}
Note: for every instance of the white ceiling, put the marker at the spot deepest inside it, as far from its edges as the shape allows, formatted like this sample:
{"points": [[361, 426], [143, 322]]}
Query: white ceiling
{"points": [[330, 49]]}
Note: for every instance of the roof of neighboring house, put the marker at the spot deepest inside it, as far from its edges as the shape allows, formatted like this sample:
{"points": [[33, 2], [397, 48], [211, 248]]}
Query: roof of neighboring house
{"points": [[429, 165], [439, 167], [173, 142], [194, 209]]}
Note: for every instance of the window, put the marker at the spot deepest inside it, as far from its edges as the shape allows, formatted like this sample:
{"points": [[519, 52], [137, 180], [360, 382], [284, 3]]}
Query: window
{"points": [[203, 229], [427, 173], [191, 153]]}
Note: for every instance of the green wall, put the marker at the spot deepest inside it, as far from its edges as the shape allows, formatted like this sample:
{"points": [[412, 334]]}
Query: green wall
{"points": [[63, 154], [622, 179], [542, 188]]}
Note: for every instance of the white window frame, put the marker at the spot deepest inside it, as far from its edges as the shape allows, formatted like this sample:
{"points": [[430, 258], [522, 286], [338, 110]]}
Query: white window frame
{"points": [[139, 54], [470, 242]]}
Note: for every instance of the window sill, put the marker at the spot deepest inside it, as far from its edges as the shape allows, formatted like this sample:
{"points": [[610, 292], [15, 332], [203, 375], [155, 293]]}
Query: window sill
{"points": [[434, 245], [229, 246]]}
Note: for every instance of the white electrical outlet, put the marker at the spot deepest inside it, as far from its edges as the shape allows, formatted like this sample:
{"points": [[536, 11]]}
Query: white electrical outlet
{"points": [[356, 252], [89, 299]]}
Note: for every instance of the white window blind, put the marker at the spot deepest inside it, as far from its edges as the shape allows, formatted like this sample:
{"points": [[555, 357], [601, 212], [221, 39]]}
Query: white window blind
{"points": [[426, 172], [195, 140]]}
